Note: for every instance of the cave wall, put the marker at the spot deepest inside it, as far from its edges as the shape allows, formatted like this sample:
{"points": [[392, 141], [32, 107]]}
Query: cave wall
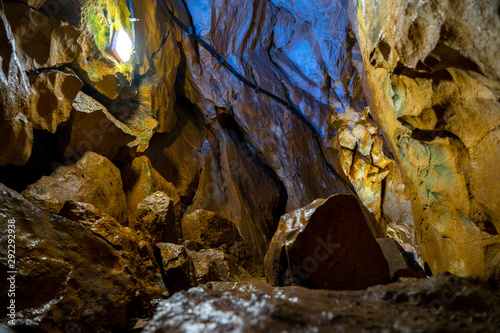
{"points": [[433, 71]]}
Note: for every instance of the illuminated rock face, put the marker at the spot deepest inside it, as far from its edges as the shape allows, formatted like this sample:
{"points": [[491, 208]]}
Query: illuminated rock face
{"points": [[404, 96], [434, 72]]}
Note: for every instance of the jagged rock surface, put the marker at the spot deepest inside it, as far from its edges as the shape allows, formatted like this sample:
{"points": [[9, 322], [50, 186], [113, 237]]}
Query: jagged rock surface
{"points": [[440, 304], [85, 273], [156, 218], [93, 179], [93, 128], [401, 264], [434, 74], [326, 245]]}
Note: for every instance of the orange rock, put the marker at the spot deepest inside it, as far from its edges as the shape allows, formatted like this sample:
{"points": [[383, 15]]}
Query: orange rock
{"points": [[93, 179]]}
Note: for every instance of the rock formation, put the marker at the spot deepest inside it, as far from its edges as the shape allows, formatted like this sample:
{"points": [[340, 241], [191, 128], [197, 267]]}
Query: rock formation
{"points": [[433, 75], [326, 245], [131, 181]]}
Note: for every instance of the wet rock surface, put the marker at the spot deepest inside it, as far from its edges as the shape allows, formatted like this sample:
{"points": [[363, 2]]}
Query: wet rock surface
{"points": [[401, 264], [58, 258], [440, 304], [434, 75], [209, 229], [93, 179], [326, 245], [156, 218], [404, 98], [93, 128]]}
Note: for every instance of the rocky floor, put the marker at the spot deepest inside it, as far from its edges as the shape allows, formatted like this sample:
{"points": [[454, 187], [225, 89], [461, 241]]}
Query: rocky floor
{"points": [[443, 303]]}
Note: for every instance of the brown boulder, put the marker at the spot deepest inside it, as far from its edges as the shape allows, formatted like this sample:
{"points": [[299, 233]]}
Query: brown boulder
{"points": [[156, 218], [52, 98], [209, 229], [135, 117], [74, 275], [93, 128], [326, 245], [140, 180], [41, 42], [93, 179], [215, 265], [401, 264], [178, 269], [133, 247]]}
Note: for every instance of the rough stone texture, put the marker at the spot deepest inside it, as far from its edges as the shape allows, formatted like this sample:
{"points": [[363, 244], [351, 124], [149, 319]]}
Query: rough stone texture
{"points": [[154, 96], [434, 74], [133, 115], [326, 245], [51, 102], [178, 269], [93, 128], [87, 275], [257, 47], [94, 62], [215, 265], [156, 218], [93, 179], [41, 42], [401, 264], [16, 132], [140, 180], [440, 304], [209, 229]]}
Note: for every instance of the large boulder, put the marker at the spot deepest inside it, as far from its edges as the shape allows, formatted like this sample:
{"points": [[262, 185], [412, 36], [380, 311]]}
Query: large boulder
{"points": [[41, 42], [140, 180], [326, 245], [85, 275], [93, 128], [156, 218], [209, 229], [52, 98], [178, 269], [93, 179]]}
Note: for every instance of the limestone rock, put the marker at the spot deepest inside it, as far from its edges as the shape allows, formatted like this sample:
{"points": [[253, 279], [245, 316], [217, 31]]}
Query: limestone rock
{"points": [[401, 264], [51, 102], [326, 245], [215, 265], [41, 42], [209, 229], [94, 62], [154, 96], [276, 136], [93, 179], [156, 218], [34, 3], [74, 275], [140, 180], [420, 305], [142, 125], [134, 248], [93, 128], [178, 268], [434, 76], [16, 132]]}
